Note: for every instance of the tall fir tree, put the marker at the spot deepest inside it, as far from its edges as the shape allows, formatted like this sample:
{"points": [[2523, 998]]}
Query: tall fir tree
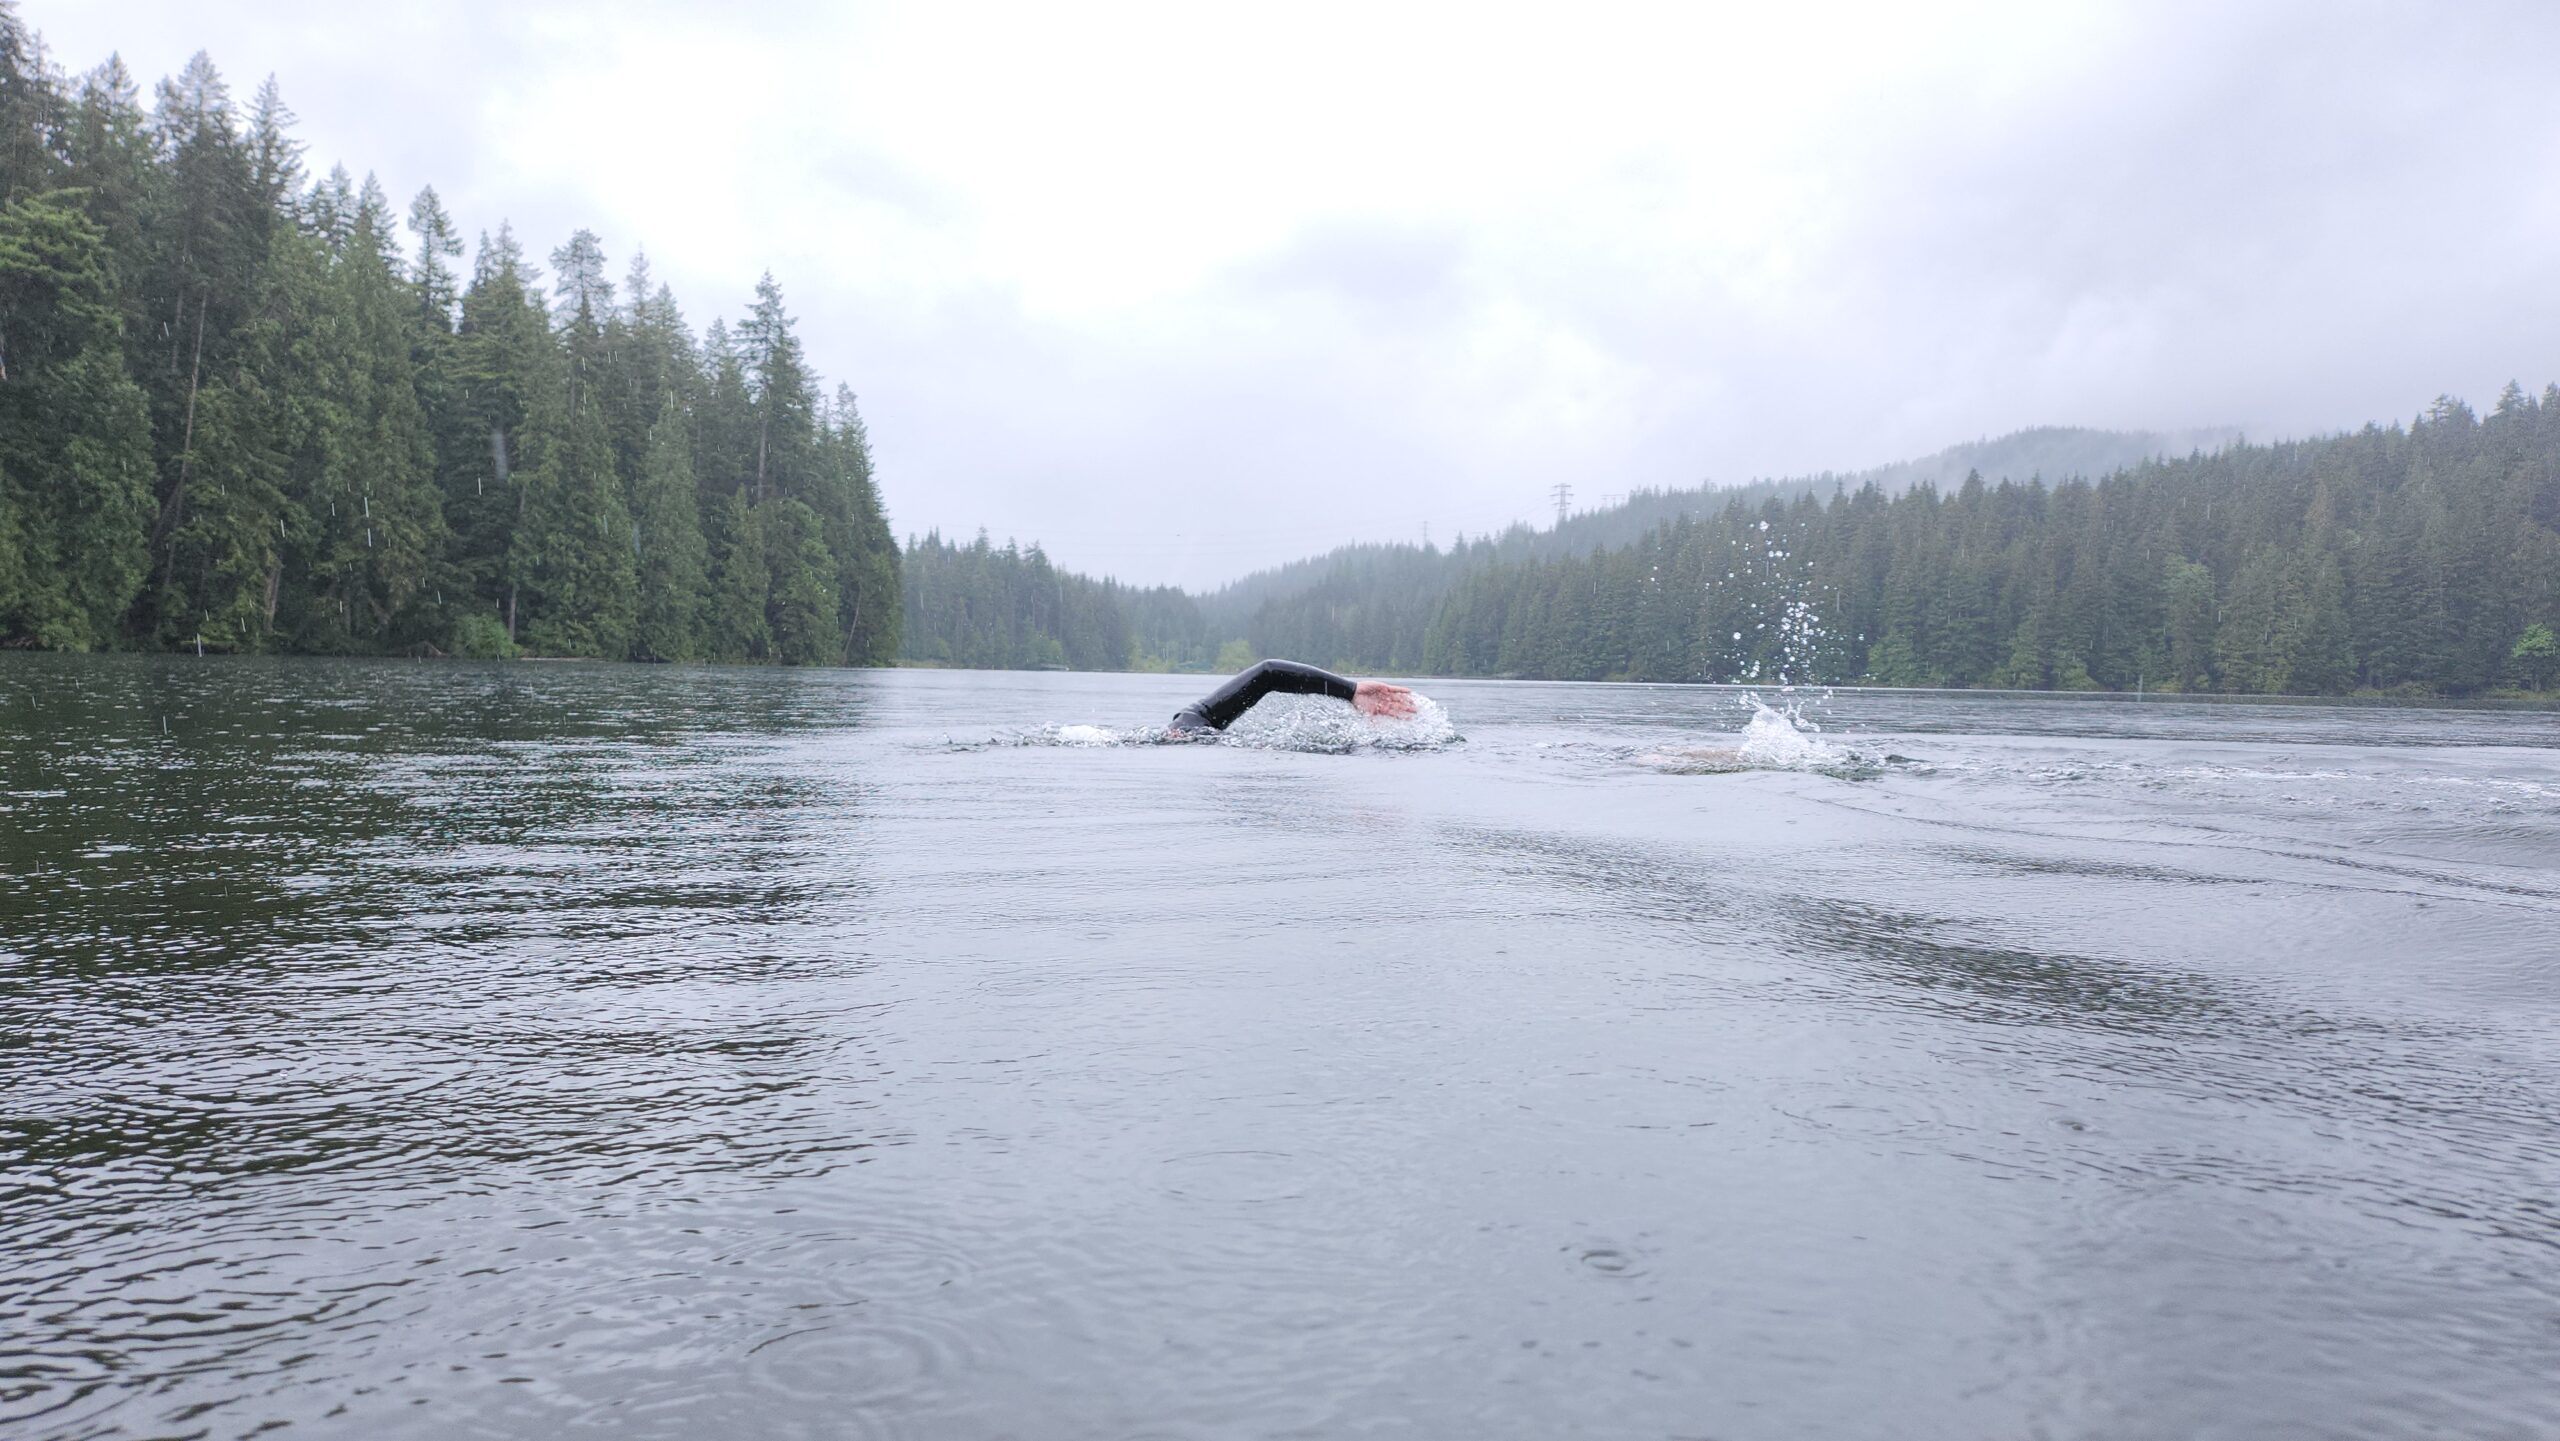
{"points": [[212, 226], [674, 564], [504, 362], [741, 582], [781, 399], [75, 440], [364, 469], [800, 597], [857, 533], [574, 550]]}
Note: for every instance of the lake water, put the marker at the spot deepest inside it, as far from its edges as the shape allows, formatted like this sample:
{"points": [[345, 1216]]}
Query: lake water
{"points": [[401, 1050]]}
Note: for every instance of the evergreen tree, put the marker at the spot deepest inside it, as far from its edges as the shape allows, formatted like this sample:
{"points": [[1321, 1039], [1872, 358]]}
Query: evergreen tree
{"points": [[504, 361], [32, 118], [740, 583], [674, 564], [224, 582], [800, 605], [574, 548], [364, 469], [75, 440], [652, 363], [115, 168], [868, 595], [212, 227], [781, 398], [438, 289], [724, 422], [2190, 647]]}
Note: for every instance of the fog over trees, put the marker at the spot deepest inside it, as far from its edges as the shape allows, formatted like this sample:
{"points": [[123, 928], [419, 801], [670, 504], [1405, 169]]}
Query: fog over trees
{"points": [[250, 409]]}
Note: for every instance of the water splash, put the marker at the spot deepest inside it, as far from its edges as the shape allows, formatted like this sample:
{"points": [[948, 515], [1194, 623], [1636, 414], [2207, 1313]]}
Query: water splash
{"points": [[1297, 723], [1775, 738], [1783, 737], [1068, 737], [1282, 723], [1092, 736], [1785, 643]]}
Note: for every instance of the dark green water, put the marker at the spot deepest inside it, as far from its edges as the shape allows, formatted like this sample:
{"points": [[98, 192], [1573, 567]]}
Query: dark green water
{"points": [[406, 1050]]}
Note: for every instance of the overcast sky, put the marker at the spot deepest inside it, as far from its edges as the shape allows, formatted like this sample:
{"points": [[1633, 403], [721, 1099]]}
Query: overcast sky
{"points": [[1183, 291]]}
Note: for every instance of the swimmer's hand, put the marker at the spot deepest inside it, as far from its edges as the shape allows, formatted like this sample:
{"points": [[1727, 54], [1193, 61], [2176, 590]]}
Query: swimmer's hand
{"points": [[1378, 699]]}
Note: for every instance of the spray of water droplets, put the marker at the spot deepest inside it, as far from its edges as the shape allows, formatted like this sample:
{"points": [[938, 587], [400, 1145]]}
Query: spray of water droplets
{"points": [[1786, 642]]}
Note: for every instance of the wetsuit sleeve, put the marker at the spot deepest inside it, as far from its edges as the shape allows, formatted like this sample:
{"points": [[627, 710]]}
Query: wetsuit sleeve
{"points": [[1220, 707]]}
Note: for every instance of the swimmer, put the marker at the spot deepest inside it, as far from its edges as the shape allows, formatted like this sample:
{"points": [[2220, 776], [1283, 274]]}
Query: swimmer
{"points": [[1220, 707]]}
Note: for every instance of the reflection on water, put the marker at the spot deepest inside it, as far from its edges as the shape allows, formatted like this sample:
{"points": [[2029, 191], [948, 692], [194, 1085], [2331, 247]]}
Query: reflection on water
{"points": [[426, 1050]]}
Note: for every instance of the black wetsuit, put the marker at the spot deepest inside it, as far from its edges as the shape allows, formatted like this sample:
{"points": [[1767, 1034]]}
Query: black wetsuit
{"points": [[1220, 707]]}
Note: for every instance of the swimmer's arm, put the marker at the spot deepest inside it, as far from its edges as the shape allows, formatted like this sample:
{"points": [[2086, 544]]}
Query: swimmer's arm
{"points": [[1286, 677], [1289, 677]]}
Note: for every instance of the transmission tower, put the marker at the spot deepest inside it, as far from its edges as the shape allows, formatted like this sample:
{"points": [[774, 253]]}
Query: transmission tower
{"points": [[1564, 501]]}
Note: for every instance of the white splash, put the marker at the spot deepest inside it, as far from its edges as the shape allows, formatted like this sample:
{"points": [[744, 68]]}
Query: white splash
{"points": [[1281, 723], [1785, 740], [1776, 738], [1301, 723]]}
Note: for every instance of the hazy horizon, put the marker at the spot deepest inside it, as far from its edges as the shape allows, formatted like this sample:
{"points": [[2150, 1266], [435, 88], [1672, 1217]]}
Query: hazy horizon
{"points": [[1182, 296]]}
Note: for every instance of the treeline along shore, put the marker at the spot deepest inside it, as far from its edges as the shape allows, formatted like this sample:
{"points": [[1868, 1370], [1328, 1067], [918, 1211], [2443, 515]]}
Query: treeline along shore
{"points": [[243, 409], [2421, 560], [2417, 560], [247, 410]]}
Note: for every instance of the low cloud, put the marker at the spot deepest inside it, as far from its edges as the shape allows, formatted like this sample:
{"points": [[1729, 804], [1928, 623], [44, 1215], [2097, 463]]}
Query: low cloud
{"points": [[1181, 293]]}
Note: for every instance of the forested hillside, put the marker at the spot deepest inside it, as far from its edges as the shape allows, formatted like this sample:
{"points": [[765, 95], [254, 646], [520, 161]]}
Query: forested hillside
{"points": [[241, 408], [2042, 453], [2423, 559], [2420, 559]]}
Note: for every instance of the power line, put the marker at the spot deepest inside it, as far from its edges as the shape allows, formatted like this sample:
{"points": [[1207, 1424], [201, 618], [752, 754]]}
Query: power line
{"points": [[1564, 500]]}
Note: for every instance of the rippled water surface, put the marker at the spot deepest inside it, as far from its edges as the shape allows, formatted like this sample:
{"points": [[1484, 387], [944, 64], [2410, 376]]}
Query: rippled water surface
{"points": [[396, 1050]]}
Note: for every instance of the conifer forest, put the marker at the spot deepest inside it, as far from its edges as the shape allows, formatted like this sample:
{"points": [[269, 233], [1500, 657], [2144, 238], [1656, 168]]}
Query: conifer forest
{"points": [[247, 409], [244, 408], [2418, 559]]}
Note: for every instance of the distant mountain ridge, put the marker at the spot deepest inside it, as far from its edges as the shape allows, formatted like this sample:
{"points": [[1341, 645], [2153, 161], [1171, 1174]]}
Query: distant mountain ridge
{"points": [[2053, 452], [2047, 452]]}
